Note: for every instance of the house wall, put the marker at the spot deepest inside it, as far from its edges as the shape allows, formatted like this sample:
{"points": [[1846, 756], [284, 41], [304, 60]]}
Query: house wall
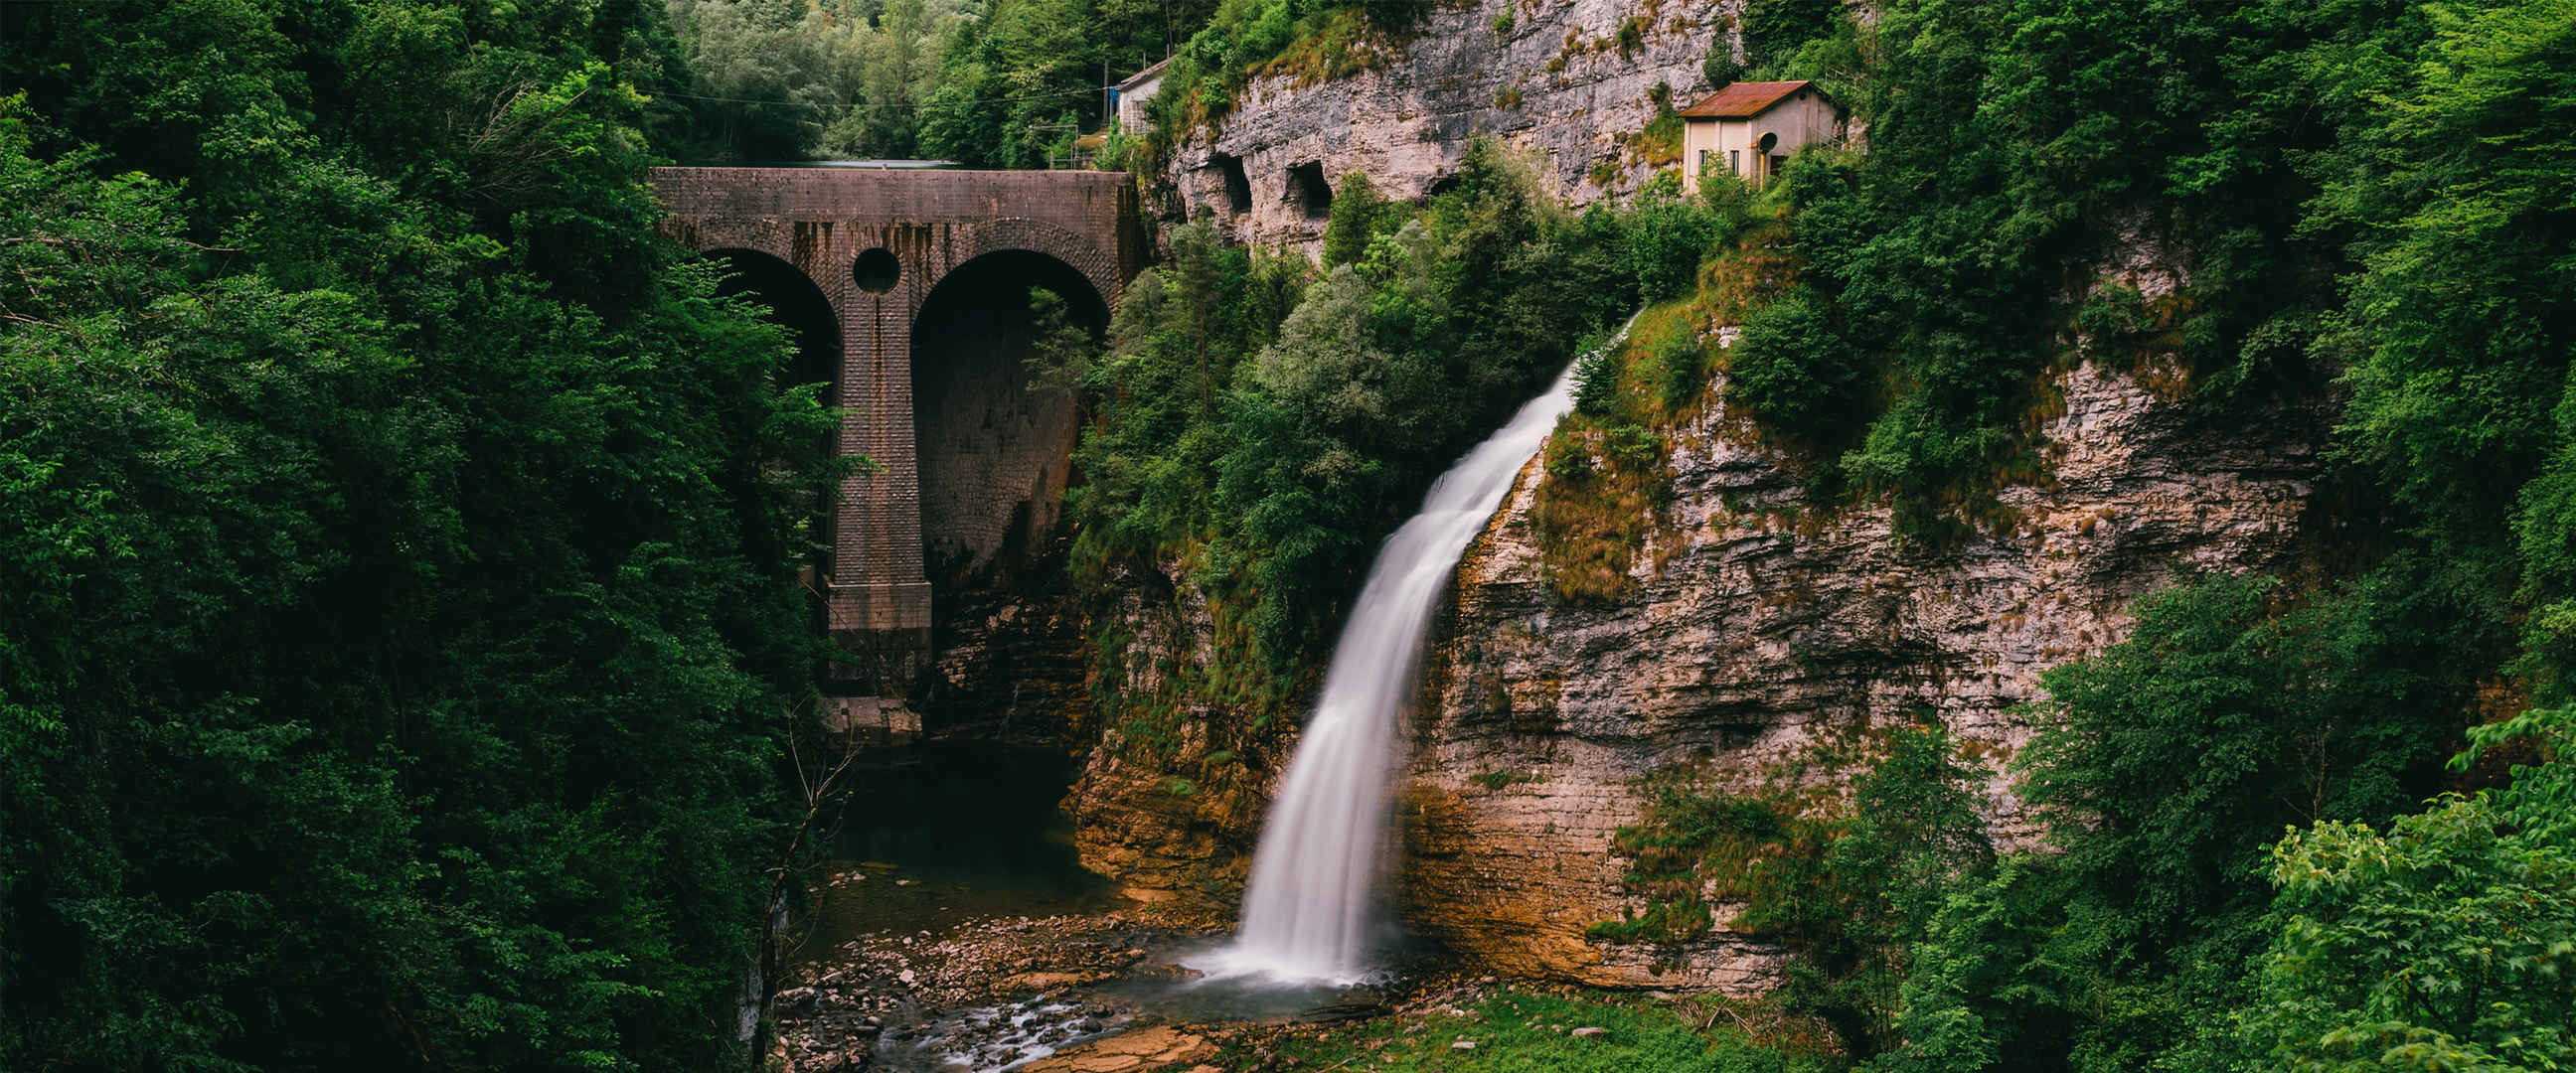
{"points": [[1804, 119], [1131, 105]]}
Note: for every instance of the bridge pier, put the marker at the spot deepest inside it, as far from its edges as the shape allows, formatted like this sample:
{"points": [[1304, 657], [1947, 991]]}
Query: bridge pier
{"points": [[876, 243]]}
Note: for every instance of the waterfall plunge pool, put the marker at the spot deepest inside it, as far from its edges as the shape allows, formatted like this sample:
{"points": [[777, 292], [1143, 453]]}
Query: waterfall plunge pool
{"points": [[956, 930]]}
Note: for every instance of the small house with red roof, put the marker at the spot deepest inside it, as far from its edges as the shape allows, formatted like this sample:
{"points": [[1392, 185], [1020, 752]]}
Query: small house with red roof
{"points": [[1750, 128]]}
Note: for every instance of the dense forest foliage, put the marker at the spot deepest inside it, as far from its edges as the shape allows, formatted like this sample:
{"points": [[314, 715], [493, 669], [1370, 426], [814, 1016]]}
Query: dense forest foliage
{"points": [[397, 542], [990, 83]]}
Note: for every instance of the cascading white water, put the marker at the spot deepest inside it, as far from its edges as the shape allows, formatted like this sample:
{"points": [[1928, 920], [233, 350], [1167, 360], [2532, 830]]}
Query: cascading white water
{"points": [[1309, 915]]}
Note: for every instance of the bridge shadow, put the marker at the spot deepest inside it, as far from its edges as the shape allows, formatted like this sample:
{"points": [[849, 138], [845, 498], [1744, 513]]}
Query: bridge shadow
{"points": [[994, 444]]}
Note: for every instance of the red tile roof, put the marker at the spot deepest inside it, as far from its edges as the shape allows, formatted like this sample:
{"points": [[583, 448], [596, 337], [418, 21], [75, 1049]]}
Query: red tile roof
{"points": [[1743, 100], [1130, 81]]}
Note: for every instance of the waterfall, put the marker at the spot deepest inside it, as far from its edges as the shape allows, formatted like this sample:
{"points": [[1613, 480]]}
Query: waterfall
{"points": [[1309, 914]]}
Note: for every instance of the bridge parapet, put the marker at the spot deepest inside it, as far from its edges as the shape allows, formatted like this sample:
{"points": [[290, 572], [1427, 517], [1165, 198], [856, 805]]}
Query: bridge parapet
{"points": [[876, 243]]}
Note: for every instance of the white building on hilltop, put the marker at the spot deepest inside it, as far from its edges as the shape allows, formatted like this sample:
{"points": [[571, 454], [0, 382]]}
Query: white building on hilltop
{"points": [[1134, 93], [1750, 128]]}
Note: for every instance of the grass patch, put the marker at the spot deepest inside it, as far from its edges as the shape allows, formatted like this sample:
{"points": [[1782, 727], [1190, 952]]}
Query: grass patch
{"points": [[1609, 471], [1609, 463], [1522, 1032], [1661, 142], [1337, 44]]}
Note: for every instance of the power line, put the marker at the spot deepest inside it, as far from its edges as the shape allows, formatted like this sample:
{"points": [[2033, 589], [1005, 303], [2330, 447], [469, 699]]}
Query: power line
{"points": [[883, 104]]}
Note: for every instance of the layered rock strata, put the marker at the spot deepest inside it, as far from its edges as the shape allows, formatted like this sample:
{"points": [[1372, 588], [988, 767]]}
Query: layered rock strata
{"points": [[1572, 83], [1150, 810], [1758, 625]]}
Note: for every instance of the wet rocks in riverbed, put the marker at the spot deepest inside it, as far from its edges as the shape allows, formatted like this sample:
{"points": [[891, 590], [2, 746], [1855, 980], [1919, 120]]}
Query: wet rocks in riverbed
{"points": [[990, 991], [1131, 1052]]}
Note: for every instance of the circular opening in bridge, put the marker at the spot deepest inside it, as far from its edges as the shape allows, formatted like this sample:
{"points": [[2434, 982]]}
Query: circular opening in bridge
{"points": [[876, 270]]}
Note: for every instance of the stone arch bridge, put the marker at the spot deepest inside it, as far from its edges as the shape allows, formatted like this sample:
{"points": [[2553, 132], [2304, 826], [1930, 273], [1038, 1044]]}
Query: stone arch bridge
{"points": [[916, 274]]}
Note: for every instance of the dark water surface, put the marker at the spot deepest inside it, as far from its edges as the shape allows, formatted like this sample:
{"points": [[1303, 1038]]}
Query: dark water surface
{"points": [[947, 831]]}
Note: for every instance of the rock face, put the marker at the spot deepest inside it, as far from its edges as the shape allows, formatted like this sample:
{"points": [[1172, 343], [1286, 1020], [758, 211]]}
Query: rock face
{"points": [[1165, 831], [1571, 82], [1757, 626]]}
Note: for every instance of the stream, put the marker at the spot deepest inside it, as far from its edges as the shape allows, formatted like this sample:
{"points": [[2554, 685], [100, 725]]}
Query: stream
{"points": [[959, 930], [955, 929], [947, 831]]}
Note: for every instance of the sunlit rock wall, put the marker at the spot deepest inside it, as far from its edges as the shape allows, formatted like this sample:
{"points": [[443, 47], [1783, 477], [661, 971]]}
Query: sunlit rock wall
{"points": [[1568, 82], [1758, 626]]}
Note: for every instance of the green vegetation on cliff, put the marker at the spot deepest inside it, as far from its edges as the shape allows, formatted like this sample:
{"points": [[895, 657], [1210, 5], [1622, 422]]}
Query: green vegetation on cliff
{"points": [[397, 547], [2359, 203], [1261, 426]]}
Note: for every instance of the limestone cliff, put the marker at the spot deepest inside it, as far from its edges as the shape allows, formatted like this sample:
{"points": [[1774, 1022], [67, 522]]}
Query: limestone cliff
{"points": [[1756, 626], [1574, 83], [1754, 623], [1151, 809]]}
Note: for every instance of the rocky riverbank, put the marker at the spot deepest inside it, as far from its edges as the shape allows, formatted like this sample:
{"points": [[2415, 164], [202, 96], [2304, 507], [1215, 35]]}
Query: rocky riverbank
{"points": [[986, 991]]}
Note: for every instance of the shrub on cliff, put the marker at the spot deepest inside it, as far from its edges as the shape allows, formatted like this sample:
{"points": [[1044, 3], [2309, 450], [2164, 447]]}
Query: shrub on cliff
{"points": [[1793, 368], [1669, 235]]}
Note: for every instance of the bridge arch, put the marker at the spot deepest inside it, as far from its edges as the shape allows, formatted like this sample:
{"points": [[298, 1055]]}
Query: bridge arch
{"points": [[838, 227], [1019, 234], [993, 440], [795, 303]]}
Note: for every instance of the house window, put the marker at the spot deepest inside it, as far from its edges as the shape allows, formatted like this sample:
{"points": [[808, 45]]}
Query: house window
{"points": [[1777, 163], [1735, 161], [1707, 161]]}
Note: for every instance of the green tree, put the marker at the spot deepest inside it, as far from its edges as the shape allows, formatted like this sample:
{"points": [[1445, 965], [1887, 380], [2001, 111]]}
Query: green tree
{"points": [[1359, 216], [2457, 331], [2441, 943], [2166, 768]]}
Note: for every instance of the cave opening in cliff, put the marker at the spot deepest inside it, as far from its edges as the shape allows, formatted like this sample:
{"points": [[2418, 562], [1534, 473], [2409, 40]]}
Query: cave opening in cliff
{"points": [[1309, 192], [1238, 186]]}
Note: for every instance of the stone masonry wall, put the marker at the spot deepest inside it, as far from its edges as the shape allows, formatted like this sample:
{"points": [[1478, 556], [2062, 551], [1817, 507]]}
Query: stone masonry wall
{"points": [[821, 220]]}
